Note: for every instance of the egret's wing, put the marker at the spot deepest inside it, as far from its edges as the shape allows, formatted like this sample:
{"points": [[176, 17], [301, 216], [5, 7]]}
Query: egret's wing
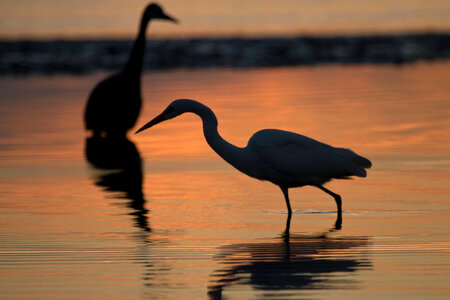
{"points": [[359, 160], [298, 156]]}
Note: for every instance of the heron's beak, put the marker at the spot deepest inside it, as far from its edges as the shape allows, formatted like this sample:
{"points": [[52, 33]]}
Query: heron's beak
{"points": [[167, 17], [153, 122]]}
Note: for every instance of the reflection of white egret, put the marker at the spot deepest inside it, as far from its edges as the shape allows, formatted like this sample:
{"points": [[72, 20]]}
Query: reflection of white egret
{"points": [[294, 263], [115, 103], [284, 158]]}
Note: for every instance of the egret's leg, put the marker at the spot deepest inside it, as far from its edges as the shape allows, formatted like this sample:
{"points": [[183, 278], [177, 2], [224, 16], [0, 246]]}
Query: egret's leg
{"points": [[338, 200], [286, 197], [287, 228], [336, 197], [288, 204]]}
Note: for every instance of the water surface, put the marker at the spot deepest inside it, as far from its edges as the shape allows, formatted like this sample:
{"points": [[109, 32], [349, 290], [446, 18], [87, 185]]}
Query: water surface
{"points": [[178, 221]]}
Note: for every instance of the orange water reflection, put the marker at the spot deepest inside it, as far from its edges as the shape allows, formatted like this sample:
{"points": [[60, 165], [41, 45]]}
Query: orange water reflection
{"points": [[67, 224], [356, 107], [375, 110], [291, 263]]}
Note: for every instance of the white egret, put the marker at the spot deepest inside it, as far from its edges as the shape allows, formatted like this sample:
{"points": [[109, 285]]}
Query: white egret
{"points": [[114, 104], [284, 158]]}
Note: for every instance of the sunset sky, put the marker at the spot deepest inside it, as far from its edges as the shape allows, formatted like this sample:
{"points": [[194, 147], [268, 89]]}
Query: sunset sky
{"points": [[118, 19]]}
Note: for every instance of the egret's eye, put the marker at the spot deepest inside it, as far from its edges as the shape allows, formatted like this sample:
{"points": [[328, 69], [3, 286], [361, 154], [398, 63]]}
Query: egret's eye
{"points": [[170, 109]]}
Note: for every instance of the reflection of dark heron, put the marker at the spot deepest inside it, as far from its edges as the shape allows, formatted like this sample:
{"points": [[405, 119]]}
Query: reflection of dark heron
{"points": [[114, 105], [284, 158], [290, 264], [121, 161], [119, 167]]}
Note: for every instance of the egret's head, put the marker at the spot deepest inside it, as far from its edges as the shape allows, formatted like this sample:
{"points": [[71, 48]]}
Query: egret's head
{"points": [[174, 109], [154, 11]]}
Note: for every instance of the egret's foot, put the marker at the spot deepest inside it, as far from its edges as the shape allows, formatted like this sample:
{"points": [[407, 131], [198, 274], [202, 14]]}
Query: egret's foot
{"points": [[338, 223], [288, 227]]}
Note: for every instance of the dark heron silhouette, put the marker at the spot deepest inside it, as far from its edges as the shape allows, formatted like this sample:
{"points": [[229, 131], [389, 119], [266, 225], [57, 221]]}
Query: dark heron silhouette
{"points": [[284, 158], [114, 104]]}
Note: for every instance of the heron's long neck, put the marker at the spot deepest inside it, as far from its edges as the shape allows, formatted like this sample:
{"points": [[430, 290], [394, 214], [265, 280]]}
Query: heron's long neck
{"points": [[227, 151], [134, 65]]}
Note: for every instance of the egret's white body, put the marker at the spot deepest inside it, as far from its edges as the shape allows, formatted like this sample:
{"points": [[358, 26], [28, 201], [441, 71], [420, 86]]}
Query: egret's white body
{"points": [[284, 158]]}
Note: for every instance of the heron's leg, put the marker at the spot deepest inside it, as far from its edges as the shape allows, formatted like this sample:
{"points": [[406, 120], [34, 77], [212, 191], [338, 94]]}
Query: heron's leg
{"points": [[338, 200]]}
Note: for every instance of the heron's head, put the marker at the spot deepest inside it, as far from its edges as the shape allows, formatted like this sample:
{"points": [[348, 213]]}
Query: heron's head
{"points": [[174, 109], [154, 11]]}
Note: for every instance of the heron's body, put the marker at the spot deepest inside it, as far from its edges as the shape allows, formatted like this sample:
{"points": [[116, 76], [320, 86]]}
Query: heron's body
{"points": [[115, 103], [284, 158]]}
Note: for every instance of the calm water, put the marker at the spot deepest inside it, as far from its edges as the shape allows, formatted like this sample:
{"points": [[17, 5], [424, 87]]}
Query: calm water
{"points": [[180, 222], [116, 18]]}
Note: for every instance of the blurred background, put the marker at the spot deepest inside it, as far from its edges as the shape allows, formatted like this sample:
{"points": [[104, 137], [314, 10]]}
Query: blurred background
{"points": [[50, 19], [51, 36]]}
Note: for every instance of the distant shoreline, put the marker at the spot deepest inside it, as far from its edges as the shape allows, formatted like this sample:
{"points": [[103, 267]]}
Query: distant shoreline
{"points": [[52, 57]]}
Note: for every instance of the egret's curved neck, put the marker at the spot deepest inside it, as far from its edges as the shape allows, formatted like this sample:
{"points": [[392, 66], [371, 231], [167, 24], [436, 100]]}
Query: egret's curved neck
{"points": [[134, 65], [227, 151]]}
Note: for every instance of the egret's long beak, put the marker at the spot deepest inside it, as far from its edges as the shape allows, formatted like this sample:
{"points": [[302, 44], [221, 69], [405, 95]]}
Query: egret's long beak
{"points": [[153, 122], [167, 17]]}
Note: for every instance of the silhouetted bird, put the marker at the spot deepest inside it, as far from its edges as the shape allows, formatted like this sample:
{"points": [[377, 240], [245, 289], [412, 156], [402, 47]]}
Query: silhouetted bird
{"points": [[114, 105], [122, 173], [284, 158]]}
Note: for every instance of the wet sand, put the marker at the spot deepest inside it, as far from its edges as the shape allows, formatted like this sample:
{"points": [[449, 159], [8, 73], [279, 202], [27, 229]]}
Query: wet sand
{"points": [[178, 221]]}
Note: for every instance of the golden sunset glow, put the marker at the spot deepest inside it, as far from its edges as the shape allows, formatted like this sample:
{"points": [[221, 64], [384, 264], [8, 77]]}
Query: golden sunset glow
{"points": [[114, 18]]}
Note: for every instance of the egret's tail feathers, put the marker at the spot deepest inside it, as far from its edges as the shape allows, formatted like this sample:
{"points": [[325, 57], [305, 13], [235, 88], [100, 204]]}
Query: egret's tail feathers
{"points": [[362, 173], [356, 171], [357, 159], [363, 162], [359, 163]]}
